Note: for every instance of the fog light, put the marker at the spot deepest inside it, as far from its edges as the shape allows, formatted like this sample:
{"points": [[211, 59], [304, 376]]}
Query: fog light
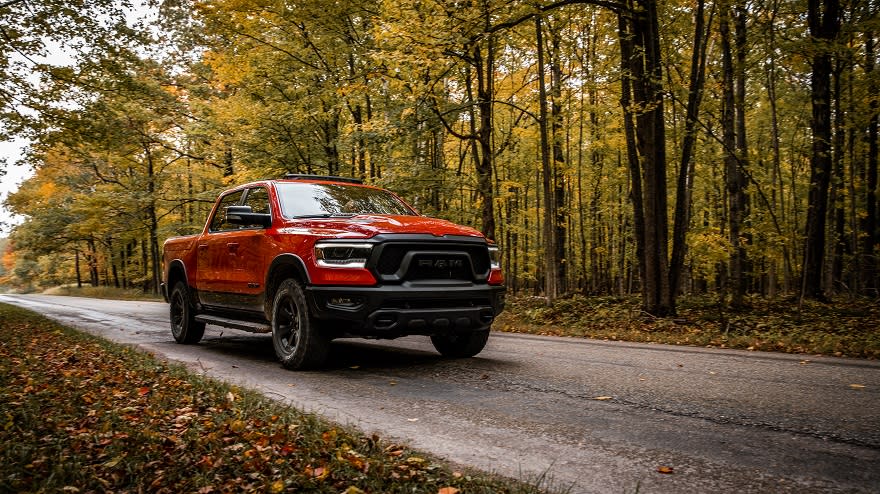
{"points": [[346, 302]]}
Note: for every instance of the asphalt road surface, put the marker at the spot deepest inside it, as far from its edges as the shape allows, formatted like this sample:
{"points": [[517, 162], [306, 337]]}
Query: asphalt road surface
{"points": [[592, 416]]}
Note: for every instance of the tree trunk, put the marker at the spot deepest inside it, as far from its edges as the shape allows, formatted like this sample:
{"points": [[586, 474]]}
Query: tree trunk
{"points": [[824, 26], [835, 269], [92, 261], [871, 235], [152, 222], [733, 123], [777, 185], [582, 275], [559, 193], [640, 48], [627, 50], [145, 263], [551, 286], [484, 71], [79, 283], [684, 183], [111, 258], [742, 151]]}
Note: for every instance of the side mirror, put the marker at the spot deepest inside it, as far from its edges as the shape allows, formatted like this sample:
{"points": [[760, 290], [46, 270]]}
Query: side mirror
{"points": [[245, 216]]}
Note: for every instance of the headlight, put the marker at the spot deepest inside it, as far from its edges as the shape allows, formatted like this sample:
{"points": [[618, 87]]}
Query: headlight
{"points": [[494, 257], [335, 255]]}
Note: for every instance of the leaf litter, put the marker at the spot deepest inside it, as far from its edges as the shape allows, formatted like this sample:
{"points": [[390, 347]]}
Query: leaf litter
{"points": [[843, 327], [80, 414]]}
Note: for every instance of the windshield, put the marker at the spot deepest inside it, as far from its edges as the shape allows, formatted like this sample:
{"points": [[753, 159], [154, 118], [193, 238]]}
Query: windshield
{"points": [[305, 200]]}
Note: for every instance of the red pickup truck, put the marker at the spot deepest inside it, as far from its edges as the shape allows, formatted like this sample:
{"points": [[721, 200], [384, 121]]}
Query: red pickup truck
{"points": [[311, 258]]}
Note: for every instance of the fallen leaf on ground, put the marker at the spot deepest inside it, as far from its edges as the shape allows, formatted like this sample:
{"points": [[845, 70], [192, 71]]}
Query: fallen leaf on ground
{"points": [[319, 473], [330, 436], [857, 386], [603, 398], [665, 470]]}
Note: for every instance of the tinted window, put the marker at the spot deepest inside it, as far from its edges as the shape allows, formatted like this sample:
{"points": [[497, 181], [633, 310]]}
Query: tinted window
{"points": [[305, 200], [258, 199], [218, 223]]}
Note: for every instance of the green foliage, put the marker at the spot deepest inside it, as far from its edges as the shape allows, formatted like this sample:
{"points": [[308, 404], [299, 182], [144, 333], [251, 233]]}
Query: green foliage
{"points": [[132, 143], [35, 35], [708, 251]]}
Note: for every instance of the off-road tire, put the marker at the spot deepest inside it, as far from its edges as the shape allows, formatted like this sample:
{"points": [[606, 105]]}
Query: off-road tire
{"points": [[184, 326], [461, 345], [298, 341]]}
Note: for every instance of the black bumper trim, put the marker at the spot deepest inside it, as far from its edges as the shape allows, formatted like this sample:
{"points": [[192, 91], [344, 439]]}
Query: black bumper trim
{"points": [[391, 311]]}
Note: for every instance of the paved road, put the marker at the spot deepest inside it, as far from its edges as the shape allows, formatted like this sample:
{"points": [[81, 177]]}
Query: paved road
{"points": [[594, 416]]}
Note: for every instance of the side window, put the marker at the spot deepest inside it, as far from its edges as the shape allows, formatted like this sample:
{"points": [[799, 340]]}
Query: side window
{"points": [[258, 199], [218, 222]]}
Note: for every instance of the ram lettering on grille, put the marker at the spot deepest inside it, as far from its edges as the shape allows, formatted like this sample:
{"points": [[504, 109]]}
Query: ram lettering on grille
{"points": [[441, 263]]}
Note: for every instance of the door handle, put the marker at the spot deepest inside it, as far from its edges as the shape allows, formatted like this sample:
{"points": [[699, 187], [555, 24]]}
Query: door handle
{"points": [[232, 246], [203, 246]]}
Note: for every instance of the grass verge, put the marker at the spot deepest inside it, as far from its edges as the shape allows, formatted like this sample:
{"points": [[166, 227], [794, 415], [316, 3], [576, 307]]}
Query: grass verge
{"points": [[80, 414], [102, 292], [847, 327]]}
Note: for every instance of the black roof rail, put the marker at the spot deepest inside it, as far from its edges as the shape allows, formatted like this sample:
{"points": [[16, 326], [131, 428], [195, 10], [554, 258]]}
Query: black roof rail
{"points": [[329, 178]]}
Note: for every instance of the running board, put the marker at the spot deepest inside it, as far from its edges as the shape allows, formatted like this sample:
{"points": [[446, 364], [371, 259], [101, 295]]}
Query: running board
{"points": [[249, 326]]}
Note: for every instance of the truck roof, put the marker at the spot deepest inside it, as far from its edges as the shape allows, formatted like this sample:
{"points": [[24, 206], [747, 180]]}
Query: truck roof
{"points": [[322, 178]]}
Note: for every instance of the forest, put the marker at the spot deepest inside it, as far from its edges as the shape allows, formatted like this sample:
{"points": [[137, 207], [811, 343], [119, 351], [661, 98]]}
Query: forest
{"points": [[610, 147]]}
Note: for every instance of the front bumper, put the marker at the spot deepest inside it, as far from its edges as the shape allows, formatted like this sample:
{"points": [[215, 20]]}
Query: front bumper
{"points": [[424, 308]]}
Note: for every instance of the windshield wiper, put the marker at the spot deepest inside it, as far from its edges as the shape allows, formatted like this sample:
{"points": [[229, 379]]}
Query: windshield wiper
{"points": [[327, 215]]}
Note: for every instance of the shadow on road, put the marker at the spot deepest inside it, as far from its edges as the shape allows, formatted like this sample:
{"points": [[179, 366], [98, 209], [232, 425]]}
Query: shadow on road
{"points": [[344, 353]]}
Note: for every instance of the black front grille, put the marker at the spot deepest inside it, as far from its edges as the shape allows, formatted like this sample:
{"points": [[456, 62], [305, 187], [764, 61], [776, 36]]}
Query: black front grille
{"points": [[392, 256], [429, 261], [452, 266]]}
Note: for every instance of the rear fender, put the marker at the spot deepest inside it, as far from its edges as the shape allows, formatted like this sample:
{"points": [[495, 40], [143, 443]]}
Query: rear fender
{"points": [[176, 272]]}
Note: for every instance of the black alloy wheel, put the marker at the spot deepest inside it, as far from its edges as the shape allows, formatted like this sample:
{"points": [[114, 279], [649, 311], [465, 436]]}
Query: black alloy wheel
{"points": [[296, 336]]}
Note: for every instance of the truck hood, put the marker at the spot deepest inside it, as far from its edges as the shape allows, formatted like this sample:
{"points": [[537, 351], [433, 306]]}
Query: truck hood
{"points": [[366, 226]]}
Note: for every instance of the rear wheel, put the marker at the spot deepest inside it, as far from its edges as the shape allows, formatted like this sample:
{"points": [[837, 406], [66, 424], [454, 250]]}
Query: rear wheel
{"points": [[299, 343], [461, 345], [184, 326]]}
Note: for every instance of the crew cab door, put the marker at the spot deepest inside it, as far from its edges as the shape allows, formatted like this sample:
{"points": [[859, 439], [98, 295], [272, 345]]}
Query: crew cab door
{"points": [[231, 256]]}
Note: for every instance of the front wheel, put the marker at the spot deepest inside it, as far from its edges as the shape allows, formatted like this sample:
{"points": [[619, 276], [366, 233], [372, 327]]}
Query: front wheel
{"points": [[296, 337], [184, 326], [461, 345]]}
